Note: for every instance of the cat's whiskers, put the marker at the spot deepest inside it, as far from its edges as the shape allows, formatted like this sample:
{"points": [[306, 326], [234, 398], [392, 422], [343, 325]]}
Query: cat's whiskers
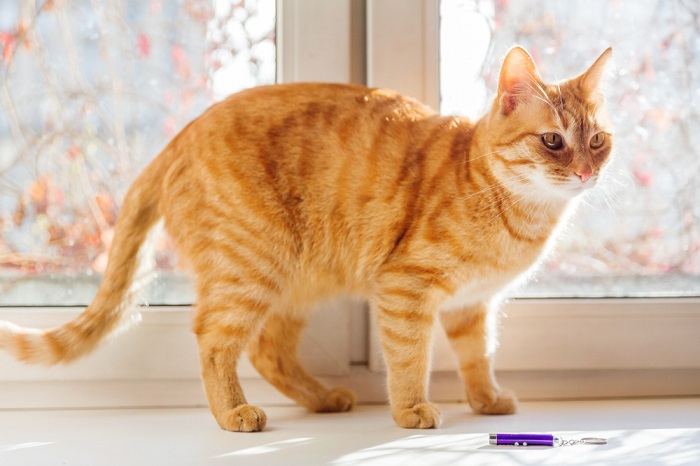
{"points": [[535, 81], [609, 201], [481, 156], [493, 186], [610, 195], [561, 99], [547, 100], [583, 200], [536, 90], [518, 199], [498, 184]]}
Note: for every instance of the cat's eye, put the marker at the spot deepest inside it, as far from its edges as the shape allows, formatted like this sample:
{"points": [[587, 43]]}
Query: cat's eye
{"points": [[597, 140], [553, 141]]}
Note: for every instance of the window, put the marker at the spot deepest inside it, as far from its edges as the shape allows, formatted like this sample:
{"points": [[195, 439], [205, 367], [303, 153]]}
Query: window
{"points": [[639, 233], [90, 92]]}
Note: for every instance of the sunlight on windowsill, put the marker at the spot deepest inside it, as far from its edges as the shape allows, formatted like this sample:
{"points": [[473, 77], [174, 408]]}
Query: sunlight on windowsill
{"points": [[267, 448], [676, 446]]}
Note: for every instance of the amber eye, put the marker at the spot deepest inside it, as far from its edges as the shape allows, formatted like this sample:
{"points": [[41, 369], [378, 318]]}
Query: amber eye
{"points": [[553, 141], [597, 140]]}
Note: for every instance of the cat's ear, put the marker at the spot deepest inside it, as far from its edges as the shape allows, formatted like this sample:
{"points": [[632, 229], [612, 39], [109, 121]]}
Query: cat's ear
{"points": [[518, 78], [590, 79]]}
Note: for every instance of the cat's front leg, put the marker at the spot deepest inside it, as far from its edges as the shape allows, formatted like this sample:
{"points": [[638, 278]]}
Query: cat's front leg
{"points": [[405, 327], [471, 332]]}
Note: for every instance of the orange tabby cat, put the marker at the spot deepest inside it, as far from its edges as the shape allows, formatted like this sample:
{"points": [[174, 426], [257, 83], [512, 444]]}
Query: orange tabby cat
{"points": [[283, 195]]}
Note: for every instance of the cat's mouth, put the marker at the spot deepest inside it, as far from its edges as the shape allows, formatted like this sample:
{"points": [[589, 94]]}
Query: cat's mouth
{"points": [[576, 187]]}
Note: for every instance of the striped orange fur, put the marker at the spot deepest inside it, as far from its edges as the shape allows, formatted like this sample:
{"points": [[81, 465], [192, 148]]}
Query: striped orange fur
{"points": [[281, 196]]}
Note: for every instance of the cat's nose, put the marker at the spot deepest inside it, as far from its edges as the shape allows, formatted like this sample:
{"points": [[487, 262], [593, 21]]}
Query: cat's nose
{"points": [[584, 174]]}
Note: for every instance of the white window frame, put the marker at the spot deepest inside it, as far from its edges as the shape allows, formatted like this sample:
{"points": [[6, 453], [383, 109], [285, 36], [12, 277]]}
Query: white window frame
{"points": [[609, 347]]}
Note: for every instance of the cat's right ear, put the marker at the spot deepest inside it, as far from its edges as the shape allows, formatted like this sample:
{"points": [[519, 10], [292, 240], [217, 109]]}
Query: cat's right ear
{"points": [[517, 80]]}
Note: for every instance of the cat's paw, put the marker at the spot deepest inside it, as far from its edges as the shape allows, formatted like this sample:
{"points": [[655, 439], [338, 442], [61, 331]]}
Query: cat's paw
{"points": [[420, 416], [493, 402], [338, 400], [243, 418]]}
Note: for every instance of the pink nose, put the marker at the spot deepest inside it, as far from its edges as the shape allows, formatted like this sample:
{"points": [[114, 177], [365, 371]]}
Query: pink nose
{"points": [[585, 175]]}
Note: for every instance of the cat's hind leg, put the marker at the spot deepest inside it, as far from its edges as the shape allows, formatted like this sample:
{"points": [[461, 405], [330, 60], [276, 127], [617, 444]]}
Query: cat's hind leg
{"points": [[273, 352], [226, 321]]}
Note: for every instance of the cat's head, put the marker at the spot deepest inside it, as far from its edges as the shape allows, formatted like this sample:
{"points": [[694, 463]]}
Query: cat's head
{"points": [[549, 140]]}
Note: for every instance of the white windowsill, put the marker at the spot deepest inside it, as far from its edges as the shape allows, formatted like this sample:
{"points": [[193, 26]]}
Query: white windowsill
{"points": [[639, 432]]}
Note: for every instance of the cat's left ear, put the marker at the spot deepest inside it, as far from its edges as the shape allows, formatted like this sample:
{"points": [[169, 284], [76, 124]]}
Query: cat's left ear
{"points": [[517, 80], [590, 79]]}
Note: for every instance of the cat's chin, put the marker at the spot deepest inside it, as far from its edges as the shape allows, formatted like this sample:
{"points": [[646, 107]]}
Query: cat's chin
{"points": [[555, 195], [574, 189], [542, 192]]}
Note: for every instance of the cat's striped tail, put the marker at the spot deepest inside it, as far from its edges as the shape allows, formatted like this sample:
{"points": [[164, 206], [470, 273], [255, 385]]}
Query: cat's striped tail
{"points": [[139, 212]]}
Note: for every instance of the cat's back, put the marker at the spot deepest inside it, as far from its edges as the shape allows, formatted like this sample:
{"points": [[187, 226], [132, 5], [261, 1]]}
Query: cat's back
{"points": [[282, 99], [311, 97], [289, 136], [331, 109]]}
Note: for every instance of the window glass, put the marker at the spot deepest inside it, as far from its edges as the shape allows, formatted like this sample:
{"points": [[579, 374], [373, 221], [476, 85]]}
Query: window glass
{"points": [[90, 92]]}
